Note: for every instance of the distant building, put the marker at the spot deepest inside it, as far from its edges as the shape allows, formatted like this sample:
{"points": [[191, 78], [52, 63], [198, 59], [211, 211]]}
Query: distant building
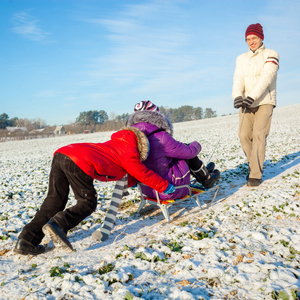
{"points": [[51, 131], [43, 132], [37, 131], [21, 133], [59, 130], [16, 130], [13, 133]]}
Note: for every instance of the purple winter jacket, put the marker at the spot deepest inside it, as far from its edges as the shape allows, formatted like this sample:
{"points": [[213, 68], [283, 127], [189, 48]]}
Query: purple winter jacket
{"points": [[167, 156]]}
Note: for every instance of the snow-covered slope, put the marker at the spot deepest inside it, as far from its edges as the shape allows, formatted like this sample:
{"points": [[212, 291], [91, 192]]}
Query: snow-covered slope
{"points": [[245, 246]]}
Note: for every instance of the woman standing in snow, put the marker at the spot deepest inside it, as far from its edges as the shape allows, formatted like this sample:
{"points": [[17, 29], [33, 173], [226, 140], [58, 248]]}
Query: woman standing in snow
{"points": [[168, 157], [77, 165]]}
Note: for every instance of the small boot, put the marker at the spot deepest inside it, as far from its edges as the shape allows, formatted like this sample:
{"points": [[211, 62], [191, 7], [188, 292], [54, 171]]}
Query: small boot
{"points": [[53, 231], [210, 167], [204, 177], [201, 173], [24, 247], [196, 166], [213, 177]]}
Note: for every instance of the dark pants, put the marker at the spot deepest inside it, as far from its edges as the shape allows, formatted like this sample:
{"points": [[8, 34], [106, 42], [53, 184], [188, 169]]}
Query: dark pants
{"points": [[64, 173]]}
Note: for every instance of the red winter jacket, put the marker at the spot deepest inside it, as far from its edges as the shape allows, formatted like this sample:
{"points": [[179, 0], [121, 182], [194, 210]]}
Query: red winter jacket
{"points": [[111, 160]]}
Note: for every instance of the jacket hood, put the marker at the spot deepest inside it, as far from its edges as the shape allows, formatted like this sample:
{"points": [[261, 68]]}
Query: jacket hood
{"points": [[154, 117], [142, 142]]}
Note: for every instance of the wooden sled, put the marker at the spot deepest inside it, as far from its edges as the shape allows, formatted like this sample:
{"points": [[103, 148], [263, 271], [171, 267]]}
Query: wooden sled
{"points": [[194, 193]]}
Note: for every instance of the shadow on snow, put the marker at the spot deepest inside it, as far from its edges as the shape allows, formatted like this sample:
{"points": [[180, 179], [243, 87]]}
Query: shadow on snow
{"points": [[234, 179]]}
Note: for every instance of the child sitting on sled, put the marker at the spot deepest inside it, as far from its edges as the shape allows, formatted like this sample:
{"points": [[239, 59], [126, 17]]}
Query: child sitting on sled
{"points": [[77, 165], [171, 159]]}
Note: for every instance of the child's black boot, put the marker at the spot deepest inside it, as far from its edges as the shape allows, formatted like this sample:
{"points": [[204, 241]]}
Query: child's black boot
{"points": [[207, 176], [53, 231], [24, 247], [210, 181]]}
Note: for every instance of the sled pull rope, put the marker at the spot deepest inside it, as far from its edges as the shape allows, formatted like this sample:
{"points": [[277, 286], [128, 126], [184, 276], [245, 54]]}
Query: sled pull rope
{"points": [[213, 151]]}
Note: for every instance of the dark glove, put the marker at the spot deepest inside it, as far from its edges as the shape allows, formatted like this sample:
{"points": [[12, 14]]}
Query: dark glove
{"points": [[170, 189], [238, 101], [247, 102]]}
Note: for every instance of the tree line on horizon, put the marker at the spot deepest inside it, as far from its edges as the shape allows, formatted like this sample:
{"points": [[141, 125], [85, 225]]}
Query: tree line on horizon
{"points": [[94, 120]]}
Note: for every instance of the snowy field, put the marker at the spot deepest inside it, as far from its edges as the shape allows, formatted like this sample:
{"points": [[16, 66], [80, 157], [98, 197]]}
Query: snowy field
{"points": [[245, 246]]}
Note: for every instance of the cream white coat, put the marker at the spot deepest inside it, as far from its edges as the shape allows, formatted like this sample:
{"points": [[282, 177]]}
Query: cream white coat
{"points": [[255, 77]]}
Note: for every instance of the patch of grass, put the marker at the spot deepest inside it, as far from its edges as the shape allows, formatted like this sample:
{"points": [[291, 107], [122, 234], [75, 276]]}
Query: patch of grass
{"points": [[293, 250], [175, 246], [129, 296], [57, 271], [127, 204], [183, 224], [105, 269], [78, 279], [143, 256], [284, 243], [199, 235], [280, 295]]}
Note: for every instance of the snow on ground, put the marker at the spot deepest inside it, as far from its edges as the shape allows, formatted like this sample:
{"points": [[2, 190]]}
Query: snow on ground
{"points": [[245, 246]]}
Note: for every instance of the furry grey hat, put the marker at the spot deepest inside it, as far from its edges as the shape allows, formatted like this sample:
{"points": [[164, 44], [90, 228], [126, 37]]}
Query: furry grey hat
{"points": [[153, 117]]}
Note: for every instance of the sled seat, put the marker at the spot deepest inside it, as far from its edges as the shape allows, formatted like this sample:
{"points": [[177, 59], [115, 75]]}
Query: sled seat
{"points": [[194, 193]]}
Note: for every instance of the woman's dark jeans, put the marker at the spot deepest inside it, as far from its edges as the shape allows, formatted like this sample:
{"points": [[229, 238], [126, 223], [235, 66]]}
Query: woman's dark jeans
{"points": [[64, 173]]}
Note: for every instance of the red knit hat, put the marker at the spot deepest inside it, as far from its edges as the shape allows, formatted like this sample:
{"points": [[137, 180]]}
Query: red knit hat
{"points": [[255, 29]]}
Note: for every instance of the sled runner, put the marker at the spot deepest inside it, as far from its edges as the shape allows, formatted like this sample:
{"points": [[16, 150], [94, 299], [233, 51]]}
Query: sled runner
{"points": [[194, 193]]}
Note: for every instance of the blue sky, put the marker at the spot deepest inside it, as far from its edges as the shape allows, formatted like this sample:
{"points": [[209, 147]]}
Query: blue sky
{"points": [[61, 57]]}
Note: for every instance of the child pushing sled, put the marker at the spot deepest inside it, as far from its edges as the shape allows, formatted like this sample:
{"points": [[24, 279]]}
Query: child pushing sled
{"points": [[77, 165]]}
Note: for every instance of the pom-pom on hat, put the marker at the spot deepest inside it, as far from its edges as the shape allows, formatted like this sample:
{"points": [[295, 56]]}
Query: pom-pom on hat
{"points": [[146, 105], [255, 29]]}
